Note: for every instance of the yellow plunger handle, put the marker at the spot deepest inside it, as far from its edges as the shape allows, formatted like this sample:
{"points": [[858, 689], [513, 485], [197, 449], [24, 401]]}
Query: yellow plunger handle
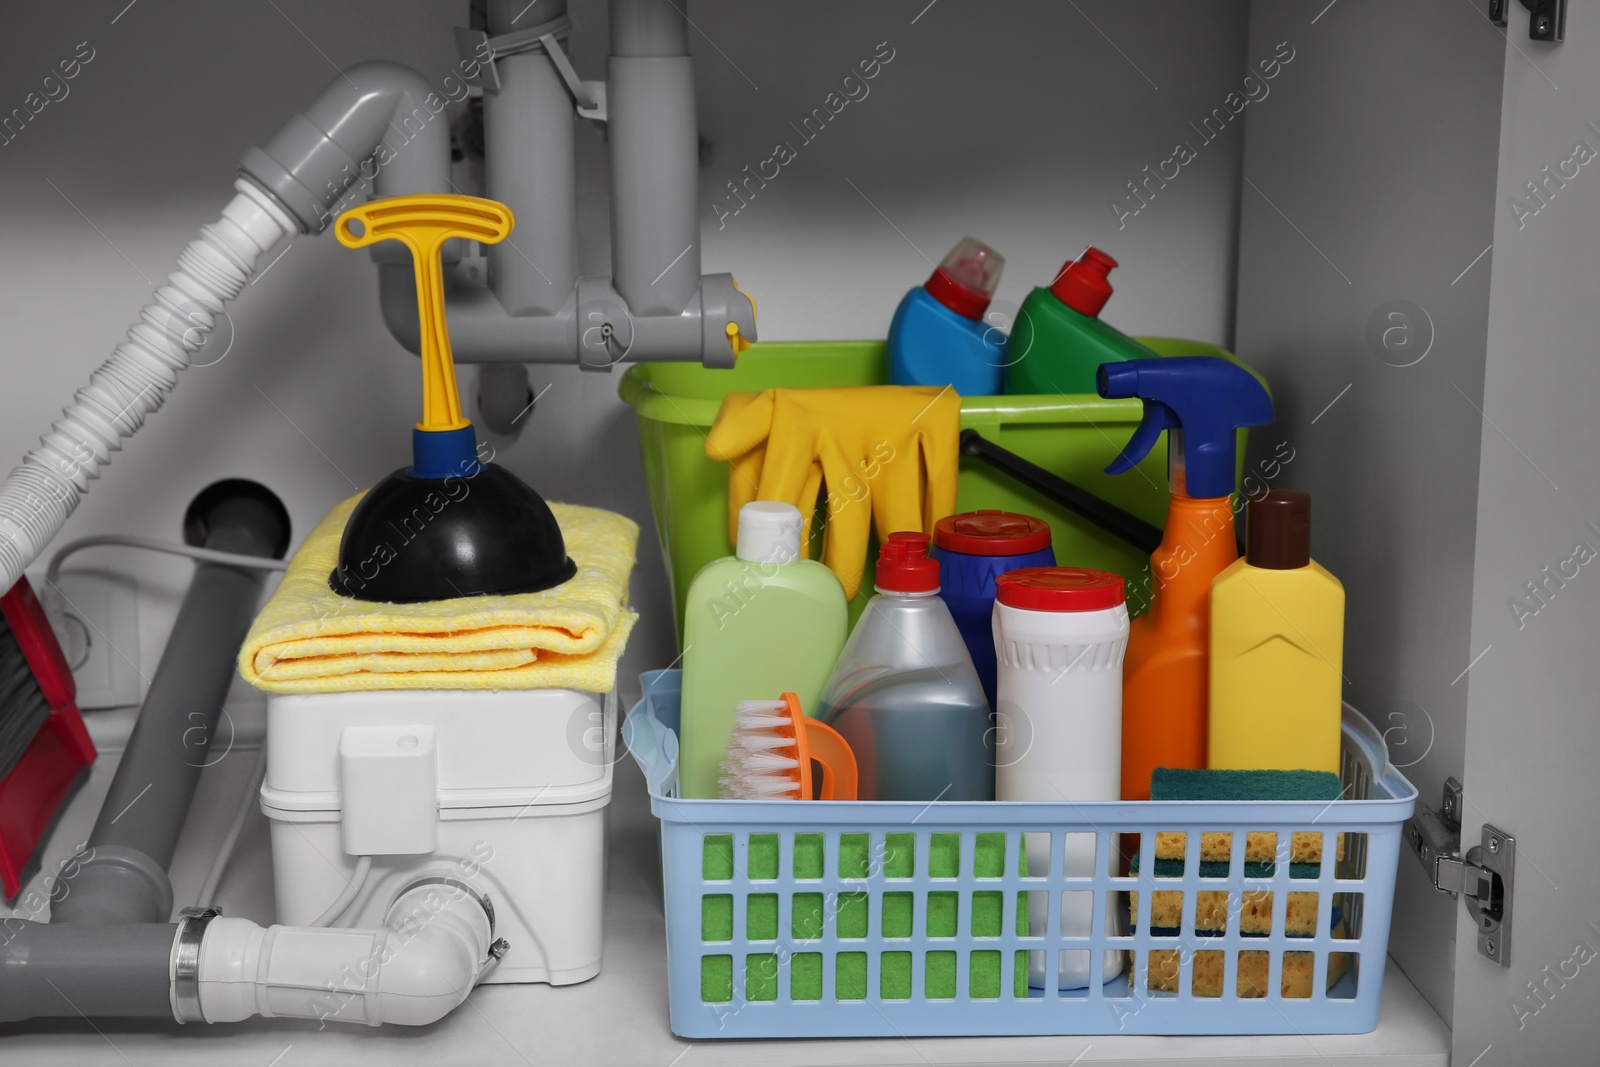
{"points": [[423, 223]]}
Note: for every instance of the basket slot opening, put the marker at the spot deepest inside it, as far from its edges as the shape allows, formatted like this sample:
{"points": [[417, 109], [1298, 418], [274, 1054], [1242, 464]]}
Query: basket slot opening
{"points": [[1353, 864], [716, 917], [805, 976], [852, 920], [984, 979], [761, 917], [940, 980], [1035, 905], [809, 857], [1351, 909], [761, 976], [850, 976], [944, 855], [1035, 858], [807, 917], [1116, 859], [716, 857], [855, 857], [761, 857], [1165, 966], [1347, 987], [1077, 913], [899, 855], [898, 917], [716, 979], [1078, 855], [1074, 961], [943, 914], [989, 855], [988, 913]]}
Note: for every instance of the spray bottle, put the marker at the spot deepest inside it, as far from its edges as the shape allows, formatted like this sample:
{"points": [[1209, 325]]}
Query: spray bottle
{"points": [[1201, 401]]}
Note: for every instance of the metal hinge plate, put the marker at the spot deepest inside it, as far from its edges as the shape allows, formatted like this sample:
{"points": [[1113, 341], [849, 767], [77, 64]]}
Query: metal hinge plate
{"points": [[1547, 19], [1483, 877]]}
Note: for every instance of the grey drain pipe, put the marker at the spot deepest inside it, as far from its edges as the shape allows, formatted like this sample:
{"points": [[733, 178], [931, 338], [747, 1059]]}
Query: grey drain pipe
{"points": [[109, 950], [121, 877], [526, 308]]}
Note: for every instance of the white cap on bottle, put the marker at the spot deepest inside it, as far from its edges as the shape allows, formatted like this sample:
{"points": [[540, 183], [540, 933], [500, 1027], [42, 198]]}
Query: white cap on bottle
{"points": [[769, 532]]}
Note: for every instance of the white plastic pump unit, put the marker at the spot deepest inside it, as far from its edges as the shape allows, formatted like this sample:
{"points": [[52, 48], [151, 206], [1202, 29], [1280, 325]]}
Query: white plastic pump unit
{"points": [[502, 791]]}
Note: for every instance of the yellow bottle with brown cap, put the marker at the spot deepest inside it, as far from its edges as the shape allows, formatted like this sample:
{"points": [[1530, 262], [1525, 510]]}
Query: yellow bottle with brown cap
{"points": [[1277, 647]]}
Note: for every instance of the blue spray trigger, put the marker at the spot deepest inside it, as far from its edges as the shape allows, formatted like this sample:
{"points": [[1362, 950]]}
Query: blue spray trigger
{"points": [[1157, 418], [1207, 398]]}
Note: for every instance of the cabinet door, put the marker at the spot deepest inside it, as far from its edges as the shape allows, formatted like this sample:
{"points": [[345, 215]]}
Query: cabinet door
{"points": [[1533, 727], [1365, 212]]}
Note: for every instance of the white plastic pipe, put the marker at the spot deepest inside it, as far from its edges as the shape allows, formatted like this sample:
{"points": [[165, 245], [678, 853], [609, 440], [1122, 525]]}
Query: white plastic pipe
{"points": [[38, 496], [414, 970]]}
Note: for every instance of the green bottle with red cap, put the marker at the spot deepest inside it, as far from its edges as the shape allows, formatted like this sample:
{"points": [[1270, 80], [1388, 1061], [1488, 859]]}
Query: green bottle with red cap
{"points": [[1059, 339]]}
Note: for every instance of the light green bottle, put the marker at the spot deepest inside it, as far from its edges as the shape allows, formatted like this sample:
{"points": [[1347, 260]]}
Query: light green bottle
{"points": [[757, 624]]}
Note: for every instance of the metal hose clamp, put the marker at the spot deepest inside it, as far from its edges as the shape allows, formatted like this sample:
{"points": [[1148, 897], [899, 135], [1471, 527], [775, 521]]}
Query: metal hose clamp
{"points": [[186, 963]]}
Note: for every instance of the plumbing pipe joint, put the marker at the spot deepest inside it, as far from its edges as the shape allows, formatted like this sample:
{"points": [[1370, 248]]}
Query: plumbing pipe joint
{"points": [[436, 944]]}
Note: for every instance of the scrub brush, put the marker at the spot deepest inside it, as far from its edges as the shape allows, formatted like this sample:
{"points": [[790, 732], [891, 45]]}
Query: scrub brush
{"points": [[770, 753]]}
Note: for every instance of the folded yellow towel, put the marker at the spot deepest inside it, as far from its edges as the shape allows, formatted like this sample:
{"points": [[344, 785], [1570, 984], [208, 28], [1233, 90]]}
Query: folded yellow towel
{"points": [[309, 639]]}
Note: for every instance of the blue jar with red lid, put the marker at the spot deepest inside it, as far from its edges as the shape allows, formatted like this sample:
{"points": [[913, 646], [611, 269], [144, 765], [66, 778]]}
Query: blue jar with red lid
{"points": [[973, 549]]}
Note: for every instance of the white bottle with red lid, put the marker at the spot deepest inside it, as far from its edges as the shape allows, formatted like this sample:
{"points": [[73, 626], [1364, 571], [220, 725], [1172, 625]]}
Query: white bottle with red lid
{"points": [[1059, 635]]}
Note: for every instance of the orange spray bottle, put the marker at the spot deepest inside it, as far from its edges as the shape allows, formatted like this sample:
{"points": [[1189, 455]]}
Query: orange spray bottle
{"points": [[1201, 401]]}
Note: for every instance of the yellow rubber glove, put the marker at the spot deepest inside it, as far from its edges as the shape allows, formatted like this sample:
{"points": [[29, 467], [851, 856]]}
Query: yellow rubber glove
{"points": [[887, 455]]}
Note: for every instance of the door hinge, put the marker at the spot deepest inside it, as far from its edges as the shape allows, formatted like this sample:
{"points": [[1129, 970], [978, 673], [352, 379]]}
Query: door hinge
{"points": [[1547, 19], [1483, 877]]}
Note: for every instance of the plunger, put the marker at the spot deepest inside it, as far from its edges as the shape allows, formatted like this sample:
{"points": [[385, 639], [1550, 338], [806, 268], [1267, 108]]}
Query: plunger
{"points": [[448, 525]]}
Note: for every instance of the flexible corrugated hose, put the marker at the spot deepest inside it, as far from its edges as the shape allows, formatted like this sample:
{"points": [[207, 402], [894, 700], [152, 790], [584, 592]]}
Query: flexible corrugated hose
{"points": [[38, 496]]}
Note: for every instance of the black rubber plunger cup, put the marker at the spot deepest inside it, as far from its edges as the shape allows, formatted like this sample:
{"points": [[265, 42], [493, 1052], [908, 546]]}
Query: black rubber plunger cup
{"points": [[419, 538], [447, 526]]}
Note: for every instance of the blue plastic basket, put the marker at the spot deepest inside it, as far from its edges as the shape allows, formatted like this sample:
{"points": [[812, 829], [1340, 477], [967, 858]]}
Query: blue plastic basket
{"points": [[755, 951]]}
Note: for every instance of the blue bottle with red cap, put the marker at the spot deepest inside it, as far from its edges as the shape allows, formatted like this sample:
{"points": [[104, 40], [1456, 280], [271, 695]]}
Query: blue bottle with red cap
{"points": [[938, 336], [973, 549]]}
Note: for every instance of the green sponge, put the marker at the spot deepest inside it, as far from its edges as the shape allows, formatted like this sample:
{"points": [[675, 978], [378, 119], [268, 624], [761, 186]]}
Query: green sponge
{"points": [[1172, 783]]}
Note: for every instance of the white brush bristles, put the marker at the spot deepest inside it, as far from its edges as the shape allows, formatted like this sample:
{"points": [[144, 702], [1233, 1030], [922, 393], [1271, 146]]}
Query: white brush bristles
{"points": [[760, 764]]}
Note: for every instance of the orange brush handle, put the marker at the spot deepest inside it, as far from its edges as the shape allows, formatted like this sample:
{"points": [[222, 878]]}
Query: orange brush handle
{"points": [[818, 741]]}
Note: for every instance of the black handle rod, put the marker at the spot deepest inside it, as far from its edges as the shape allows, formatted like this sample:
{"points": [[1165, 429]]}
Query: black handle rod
{"points": [[1129, 527]]}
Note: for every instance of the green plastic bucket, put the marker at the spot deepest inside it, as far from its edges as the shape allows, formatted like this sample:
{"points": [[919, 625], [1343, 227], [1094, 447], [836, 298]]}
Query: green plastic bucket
{"points": [[1072, 435]]}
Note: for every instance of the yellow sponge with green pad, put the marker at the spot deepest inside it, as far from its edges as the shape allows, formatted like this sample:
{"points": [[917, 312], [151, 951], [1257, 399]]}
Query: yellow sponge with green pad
{"points": [[1261, 846]]}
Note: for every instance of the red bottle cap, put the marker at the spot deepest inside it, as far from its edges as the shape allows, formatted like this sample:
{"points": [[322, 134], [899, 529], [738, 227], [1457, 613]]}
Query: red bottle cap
{"points": [[1059, 589], [904, 565], [992, 533], [966, 278], [1083, 284]]}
